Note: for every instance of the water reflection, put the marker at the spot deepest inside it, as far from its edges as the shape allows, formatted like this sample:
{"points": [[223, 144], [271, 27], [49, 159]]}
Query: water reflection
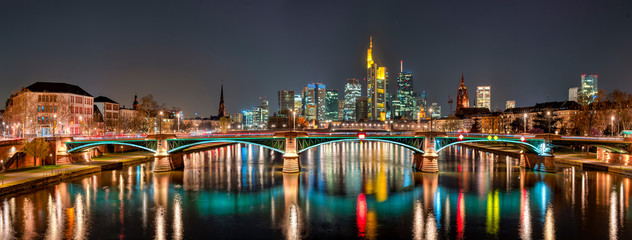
{"points": [[346, 190]]}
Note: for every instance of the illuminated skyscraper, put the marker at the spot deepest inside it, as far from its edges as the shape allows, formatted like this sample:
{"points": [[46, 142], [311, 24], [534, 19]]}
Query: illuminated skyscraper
{"points": [[435, 110], [510, 104], [331, 101], [572, 94], [298, 104], [286, 102], [377, 85], [314, 106], [483, 97], [353, 90], [588, 88], [420, 105], [405, 94], [462, 98]]}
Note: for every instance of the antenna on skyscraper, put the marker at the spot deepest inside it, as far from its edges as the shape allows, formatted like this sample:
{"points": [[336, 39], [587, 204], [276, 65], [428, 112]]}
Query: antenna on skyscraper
{"points": [[401, 66]]}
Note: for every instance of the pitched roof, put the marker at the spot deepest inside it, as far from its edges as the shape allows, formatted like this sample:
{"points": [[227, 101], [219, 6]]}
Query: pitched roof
{"points": [[57, 88], [104, 99]]}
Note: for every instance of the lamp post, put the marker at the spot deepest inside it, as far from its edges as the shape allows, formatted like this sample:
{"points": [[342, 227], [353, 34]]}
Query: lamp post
{"points": [[178, 116], [612, 125], [160, 124], [54, 124], [548, 116], [431, 127], [524, 117], [80, 125], [294, 120]]}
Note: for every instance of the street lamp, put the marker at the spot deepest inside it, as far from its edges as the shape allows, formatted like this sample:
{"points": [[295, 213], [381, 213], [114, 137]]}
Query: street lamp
{"points": [[160, 123], [80, 125], [293, 120], [612, 124], [548, 116], [178, 115]]}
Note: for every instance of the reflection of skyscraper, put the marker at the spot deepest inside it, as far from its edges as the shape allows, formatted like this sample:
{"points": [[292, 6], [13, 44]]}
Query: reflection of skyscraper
{"points": [[588, 88], [377, 85], [483, 97], [331, 102], [405, 94], [353, 90], [462, 98]]}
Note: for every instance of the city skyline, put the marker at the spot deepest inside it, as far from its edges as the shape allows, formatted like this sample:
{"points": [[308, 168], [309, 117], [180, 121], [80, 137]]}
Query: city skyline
{"points": [[180, 55]]}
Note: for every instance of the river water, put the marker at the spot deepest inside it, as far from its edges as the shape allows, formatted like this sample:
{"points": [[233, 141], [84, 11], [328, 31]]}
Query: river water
{"points": [[346, 190]]}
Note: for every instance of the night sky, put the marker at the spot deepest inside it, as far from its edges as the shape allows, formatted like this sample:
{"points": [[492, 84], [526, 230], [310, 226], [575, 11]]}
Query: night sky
{"points": [[181, 51]]}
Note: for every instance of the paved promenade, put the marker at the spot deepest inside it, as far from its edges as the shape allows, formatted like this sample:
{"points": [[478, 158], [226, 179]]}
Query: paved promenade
{"points": [[586, 161], [32, 177]]}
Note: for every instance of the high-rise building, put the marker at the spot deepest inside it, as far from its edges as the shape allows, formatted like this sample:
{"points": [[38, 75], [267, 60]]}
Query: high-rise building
{"points": [[362, 108], [286, 102], [588, 88], [405, 94], [377, 87], [260, 114], [420, 105], [353, 90], [331, 102], [435, 110], [510, 104], [483, 97], [341, 110], [314, 105], [572, 94], [298, 104], [462, 98]]}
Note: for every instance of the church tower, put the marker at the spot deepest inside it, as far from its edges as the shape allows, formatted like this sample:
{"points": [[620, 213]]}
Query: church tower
{"points": [[222, 111], [135, 104], [462, 99]]}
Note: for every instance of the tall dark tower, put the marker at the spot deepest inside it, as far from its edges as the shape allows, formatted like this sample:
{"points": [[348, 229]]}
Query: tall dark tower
{"points": [[135, 104], [222, 111], [462, 98]]}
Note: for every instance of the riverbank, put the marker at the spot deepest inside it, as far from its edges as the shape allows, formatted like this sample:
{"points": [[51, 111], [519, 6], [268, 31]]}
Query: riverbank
{"points": [[582, 160], [29, 178]]}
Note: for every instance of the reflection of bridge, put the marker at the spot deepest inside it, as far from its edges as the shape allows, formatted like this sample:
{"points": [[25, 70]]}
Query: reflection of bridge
{"points": [[168, 148]]}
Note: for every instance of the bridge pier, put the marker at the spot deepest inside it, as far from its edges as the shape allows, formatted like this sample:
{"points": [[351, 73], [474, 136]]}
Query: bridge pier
{"points": [[291, 163], [430, 161], [539, 162]]}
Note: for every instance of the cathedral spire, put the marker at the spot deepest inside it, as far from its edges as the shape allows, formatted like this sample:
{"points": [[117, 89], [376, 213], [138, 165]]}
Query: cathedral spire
{"points": [[135, 104], [222, 111]]}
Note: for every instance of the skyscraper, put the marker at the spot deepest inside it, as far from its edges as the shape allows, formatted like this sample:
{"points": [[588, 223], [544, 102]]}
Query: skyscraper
{"points": [[435, 110], [483, 97], [588, 88], [572, 94], [405, 94], [331, 102], [353, 90], [298, 104], [377, 86], [462, 98], [286, 102], [314, 105], [420, 105], [510, 104], [362, 108]]}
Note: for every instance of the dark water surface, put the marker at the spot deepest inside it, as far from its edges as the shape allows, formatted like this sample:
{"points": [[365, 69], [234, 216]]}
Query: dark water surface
{"points": [[346, 190]]}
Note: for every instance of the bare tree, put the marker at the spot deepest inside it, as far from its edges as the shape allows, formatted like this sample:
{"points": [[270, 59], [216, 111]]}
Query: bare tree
{"points": [[21, 111]]}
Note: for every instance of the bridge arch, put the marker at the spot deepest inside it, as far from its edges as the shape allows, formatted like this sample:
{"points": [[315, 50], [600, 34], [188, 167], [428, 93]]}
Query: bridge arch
{"points": [[96, 144], [524, 145], [414, 149], [202, 142]]}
